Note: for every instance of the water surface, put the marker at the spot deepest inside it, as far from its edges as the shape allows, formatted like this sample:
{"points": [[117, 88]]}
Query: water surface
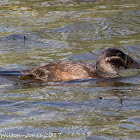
{"points": [[36, 32]]}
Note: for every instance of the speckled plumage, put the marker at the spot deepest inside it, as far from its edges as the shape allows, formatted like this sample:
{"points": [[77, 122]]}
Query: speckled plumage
{"points": [[108, 65]]}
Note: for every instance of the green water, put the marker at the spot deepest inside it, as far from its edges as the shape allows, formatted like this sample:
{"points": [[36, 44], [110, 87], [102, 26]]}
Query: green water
{"points": [[68, 30]]}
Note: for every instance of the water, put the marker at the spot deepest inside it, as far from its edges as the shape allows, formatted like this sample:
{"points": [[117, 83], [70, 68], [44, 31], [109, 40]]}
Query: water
{"points": [[92, 109]]}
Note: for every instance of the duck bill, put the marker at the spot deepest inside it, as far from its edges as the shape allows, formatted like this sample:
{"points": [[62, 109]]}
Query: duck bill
{"points": [[135, 65]]}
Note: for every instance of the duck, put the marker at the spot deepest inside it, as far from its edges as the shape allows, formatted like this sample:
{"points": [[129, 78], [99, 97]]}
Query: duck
{"points": [[108, 65]]}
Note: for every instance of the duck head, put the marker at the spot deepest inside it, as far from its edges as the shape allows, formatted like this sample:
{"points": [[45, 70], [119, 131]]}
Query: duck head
{"points": [[111, 61]]}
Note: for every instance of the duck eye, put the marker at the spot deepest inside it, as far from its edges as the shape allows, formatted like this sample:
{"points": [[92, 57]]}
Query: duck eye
{"points": [[119, 54]]}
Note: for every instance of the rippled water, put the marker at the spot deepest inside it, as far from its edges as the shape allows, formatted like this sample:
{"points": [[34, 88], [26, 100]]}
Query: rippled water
{"points": [[107, 109]]}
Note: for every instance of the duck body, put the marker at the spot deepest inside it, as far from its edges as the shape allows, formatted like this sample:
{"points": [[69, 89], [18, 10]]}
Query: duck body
{"points": [[62, 71], [107, 65]]}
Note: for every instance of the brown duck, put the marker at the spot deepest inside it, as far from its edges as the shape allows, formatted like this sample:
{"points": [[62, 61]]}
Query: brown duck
{"points": [[107, 65]]}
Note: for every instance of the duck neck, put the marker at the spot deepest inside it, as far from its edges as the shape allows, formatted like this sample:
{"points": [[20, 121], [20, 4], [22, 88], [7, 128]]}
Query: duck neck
{"points": [[106, 70]]}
